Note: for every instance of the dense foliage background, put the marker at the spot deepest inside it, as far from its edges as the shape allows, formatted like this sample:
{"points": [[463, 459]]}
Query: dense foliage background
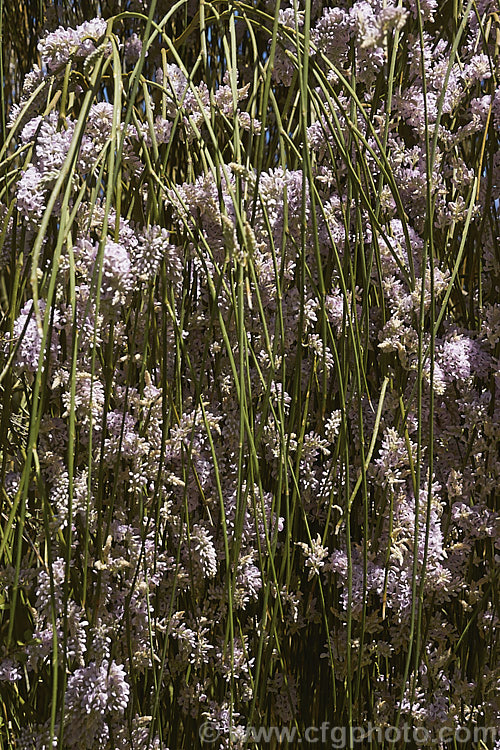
{"points": [[249, 275]]}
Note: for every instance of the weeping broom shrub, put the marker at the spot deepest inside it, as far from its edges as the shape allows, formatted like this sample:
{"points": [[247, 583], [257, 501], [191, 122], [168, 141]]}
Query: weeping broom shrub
{"points": [[250, 346]]}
